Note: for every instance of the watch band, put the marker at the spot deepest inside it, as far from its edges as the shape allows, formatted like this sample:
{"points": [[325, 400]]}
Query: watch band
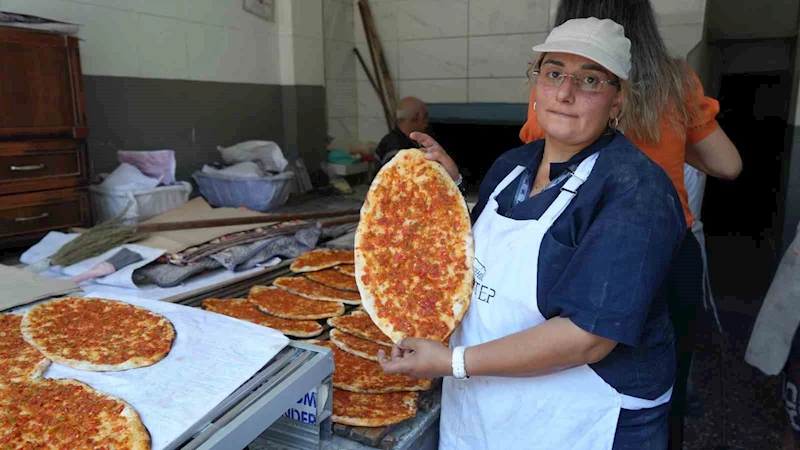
{"points": [[459, 367], [460, 184]]}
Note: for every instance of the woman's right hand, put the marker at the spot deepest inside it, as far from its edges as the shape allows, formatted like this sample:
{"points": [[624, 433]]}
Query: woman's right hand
{"points": [[435, 152]]}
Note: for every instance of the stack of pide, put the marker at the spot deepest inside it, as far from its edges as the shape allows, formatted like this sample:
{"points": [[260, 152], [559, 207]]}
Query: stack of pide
{"points": [[295, 305], [363, 394], [413, 267], [86, 334], [323, 287]]}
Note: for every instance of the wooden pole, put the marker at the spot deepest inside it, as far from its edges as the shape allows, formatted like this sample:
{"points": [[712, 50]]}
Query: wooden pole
{"points": [[366, 71], [266, 218], [385, 74], [365, 17]]}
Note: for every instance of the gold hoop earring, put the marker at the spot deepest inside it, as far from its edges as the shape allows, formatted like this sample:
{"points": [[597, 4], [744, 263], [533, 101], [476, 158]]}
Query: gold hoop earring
{"points": [[615, 124], [534, 106]]}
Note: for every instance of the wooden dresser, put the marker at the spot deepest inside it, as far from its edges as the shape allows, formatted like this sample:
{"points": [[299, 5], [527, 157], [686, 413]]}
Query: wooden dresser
{"points": [[43, 166]]}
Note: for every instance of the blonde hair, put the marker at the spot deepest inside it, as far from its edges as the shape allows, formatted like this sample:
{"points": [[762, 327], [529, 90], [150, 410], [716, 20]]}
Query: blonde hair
{"points": [[661, 96]]}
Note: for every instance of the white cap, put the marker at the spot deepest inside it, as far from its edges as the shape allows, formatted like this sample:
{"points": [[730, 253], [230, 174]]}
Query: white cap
{"points": [[602, 41]]}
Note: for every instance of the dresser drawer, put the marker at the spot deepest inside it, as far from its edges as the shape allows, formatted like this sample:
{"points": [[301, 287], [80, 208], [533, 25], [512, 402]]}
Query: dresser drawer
{"points": [[40, 212], [40, 165]]}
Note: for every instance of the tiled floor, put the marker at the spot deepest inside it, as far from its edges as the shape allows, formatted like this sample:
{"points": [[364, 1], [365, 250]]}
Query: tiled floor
{"points": [[741, 406]]}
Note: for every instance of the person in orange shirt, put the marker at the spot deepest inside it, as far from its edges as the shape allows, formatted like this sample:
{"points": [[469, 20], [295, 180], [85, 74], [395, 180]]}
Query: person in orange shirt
{"points": [[671, 120]]}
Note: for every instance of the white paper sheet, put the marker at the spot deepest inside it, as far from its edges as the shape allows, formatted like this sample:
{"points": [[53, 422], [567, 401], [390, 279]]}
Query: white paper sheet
{"points": [[211, 357], [122, 278], [45, 248]]}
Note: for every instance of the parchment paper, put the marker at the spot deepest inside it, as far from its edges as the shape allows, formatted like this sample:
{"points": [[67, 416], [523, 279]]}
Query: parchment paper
{"points": [[211, 357]]}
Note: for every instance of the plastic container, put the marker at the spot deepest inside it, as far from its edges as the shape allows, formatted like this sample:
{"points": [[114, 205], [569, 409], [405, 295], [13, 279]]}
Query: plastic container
{"points": [[145, 204], [258, 194]]}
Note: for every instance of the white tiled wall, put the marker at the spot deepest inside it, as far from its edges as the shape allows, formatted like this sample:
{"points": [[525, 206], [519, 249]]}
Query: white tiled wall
{"points": [[445, 46], [301, 43], [432, 19], [433, 59], [681, 39], [390, 50], [477, 51], [500, 55], [499, 90], [452, 51], [309, 61], [680, 12], [210, 40], [341, 85], [338, 23], [368, 103], [514, 17], [447, 91], [443, 51], [371, 129]]}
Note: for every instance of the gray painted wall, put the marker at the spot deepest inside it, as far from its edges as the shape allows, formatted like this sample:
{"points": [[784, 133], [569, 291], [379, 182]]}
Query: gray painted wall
{"points": [[305, 124], [193, 117]]}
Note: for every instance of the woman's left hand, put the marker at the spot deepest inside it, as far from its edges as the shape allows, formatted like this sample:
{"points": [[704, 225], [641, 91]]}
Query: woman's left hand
{"points": [[435, 152], [418, 358]]}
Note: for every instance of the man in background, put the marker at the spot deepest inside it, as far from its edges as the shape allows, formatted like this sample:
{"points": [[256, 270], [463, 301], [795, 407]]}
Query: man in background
{"points": [[411, 115]]}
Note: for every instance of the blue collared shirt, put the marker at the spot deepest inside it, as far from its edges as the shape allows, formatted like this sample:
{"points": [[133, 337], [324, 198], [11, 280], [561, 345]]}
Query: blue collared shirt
{"points": [[603, 262]]}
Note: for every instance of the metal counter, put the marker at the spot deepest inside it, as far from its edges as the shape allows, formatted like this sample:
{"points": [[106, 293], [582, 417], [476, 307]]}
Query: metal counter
{"points": [[419, 433], [245, 414]]}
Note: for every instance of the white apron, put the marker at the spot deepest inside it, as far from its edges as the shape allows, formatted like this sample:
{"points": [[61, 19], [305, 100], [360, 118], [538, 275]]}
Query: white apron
{"points": [[571, 409]]}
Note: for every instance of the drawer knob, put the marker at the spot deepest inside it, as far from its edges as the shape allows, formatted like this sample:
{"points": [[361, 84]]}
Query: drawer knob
{"points": [[26, 219], [27, 168]]}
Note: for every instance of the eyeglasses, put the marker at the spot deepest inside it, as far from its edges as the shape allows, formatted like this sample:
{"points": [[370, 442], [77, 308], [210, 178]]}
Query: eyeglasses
{"points": [[586, 83]]}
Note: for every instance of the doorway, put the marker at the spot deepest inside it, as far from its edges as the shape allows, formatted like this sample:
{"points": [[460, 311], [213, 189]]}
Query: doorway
{"points": [[743, 218]]}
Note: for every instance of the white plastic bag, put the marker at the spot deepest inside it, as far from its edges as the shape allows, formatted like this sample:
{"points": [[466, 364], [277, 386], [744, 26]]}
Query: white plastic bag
{"points": [[127, 177], [142, 204], [266, 153], [156, 164], [247, 169]]}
